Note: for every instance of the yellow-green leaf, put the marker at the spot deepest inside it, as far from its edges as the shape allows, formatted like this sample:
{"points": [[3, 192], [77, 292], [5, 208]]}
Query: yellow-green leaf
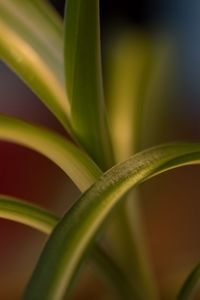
{"points": [[84, 79], [73, 161], [35, 53], [31, 215], [67, 246]]}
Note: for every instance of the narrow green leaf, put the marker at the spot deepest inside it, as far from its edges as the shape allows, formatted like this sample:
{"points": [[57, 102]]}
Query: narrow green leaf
{"points": [[51, 17], [84, 78], [35, 53], [190, 286], [25, 15], [74, 162], [69, 242], [130, 69], [133, 60], [28, 214], [127, 244], [119, 282]]}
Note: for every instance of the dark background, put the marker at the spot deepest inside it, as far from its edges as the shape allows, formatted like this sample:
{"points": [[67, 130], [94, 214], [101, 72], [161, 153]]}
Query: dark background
{"points": [[136, 12]]}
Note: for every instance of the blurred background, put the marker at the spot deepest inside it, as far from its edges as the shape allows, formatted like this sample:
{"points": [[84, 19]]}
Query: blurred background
{"points": [[168, 32]]}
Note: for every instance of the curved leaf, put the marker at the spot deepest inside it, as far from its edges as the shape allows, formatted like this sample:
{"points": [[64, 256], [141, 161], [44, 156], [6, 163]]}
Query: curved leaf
{"points": [[74, 162], [133, 57], [19, 211], [23, 15], [36, 55], [84, 78], [52, 18], [189, 288], [72, 237]]}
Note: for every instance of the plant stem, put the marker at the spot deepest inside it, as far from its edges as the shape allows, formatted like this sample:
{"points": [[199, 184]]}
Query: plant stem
{"points": [[114, 275], [129, 247]]}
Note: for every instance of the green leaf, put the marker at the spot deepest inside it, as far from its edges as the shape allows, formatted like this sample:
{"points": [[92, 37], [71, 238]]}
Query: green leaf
{"points": [[35, 53], [84, 79], [67, 246], [112, 274], [28, 214], [53, 19], [133, 61], [74, 162], [130, 68], [190, 286]]}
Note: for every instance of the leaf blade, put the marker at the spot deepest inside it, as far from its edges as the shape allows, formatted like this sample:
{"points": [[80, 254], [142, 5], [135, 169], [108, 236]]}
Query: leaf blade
{"points": [[84, 79], [74, 162], [131, 66], [35, 55], [73, 236], [28, 214], [129, 71], [17, 210], [53, 19], [190, 285]]}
